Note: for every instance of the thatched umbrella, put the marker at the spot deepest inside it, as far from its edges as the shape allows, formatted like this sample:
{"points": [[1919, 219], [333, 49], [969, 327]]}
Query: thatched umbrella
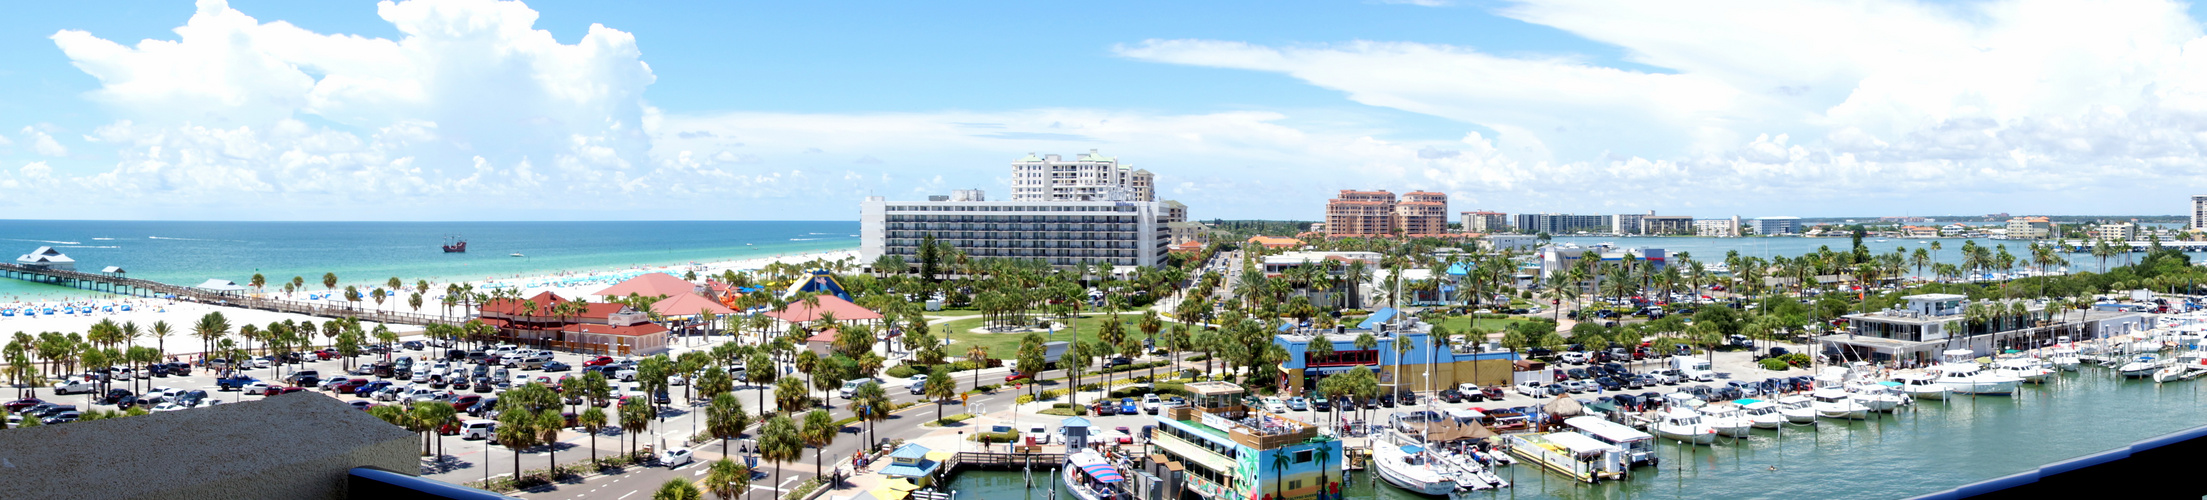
{"points": [[1564, 407]]}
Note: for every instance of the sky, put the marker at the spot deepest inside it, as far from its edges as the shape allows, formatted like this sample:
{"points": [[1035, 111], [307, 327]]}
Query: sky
{"points": [[571, 110]]}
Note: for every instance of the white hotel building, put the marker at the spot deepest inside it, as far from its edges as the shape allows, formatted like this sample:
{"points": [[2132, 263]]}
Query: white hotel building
{"points": [[1124, 233]]}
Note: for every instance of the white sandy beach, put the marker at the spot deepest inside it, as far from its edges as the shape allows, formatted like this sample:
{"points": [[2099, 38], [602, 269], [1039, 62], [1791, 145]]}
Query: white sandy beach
{"points": [[181, 315]]}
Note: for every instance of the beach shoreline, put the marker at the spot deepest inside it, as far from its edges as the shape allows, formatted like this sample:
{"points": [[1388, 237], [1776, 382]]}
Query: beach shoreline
{"points": [[182, 314]]}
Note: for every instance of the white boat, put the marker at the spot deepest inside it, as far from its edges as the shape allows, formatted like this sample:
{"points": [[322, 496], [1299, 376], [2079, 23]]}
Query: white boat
{"points": [[1680, 424], [1838, 404], [1725, 418], [2186, 366], [1963, 376], [1090, 477], [1410, 468], [1797, 409], [1923, 386], [1761, 414], [2141, 366], [1876, 396], [1639, 446], [2064, 358], [2028, 369]]}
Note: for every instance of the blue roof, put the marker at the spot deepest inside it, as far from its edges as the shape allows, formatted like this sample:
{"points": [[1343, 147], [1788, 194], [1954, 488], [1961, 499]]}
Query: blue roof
{"points": [[1458, 269], [1381, 316], [923, 469], [910, 451], [1074, 422]]}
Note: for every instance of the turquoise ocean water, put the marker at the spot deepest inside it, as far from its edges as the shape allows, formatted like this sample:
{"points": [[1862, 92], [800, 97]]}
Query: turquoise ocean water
{"points": [[371, 252]]}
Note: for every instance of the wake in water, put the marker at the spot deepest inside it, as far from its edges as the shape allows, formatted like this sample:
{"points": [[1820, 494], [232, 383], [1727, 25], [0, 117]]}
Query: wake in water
{"points": [[103, 239], [47, 241]]}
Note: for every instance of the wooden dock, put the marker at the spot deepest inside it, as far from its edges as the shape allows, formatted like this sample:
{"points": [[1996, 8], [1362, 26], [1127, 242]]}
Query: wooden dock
{"points": [[121, 285]]}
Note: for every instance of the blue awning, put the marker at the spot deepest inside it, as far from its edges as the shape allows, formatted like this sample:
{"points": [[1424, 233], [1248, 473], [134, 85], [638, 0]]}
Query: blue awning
{"points": [[1381, 316]]}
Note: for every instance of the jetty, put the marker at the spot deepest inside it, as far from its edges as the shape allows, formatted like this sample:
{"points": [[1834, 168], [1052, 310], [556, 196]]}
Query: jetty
{"points": [[113, 280]]}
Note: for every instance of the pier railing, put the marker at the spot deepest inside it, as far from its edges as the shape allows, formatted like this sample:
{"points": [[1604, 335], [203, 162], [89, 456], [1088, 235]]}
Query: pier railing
{"points": [[114, 283]]}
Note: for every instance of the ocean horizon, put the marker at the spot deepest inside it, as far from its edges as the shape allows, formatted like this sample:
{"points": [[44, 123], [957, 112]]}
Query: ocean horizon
{"points": [[370, 252]]}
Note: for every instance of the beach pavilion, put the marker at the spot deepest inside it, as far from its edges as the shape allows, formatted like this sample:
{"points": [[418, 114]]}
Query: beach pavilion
{"points": [[687, 308], [652, 285], [608, 328], [799, 312]]}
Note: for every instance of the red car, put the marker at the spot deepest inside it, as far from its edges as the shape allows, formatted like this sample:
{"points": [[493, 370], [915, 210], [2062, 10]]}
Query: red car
{"points": [[599, 361], [325, 354], [284, 390], [464, 402], [351, 385], [20, 404], [1015, 377]]}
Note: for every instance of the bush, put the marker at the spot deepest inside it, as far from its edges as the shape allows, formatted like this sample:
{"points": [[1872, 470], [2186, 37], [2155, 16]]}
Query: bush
{"points": [[952, 419], [1023, 399], [1066, 412], [804, 488], [1199, 358], [1796, 359], [1049, 394], [1774, 364], [996, 437], [1061, 405], [988, 387], [901, 371]]}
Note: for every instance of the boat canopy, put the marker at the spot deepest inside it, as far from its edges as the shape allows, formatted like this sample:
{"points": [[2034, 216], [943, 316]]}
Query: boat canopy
{"points": [[1579, 444], [1413, 449], [1746, 401], [1097, 468], [1607, 430]]}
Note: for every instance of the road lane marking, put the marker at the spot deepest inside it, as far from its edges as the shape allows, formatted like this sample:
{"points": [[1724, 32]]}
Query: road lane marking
{"points": [[626, 496]]}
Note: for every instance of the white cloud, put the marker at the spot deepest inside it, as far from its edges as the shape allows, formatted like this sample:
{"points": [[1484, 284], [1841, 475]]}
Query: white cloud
{"points": [[41, 142], [1781, 103]]}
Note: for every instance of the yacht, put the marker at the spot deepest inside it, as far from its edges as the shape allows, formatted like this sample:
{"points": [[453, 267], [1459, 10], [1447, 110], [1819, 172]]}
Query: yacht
{"points": [[2029, 369], [2140, 366], [1962, 375], [1684, 425], [1797, 409], [1411, 467], [1923, 386], [1879, 397], [2187, 365], [1090, 477], [1726, 418], [1834, 403], [1761, 414], [2064, 358]]}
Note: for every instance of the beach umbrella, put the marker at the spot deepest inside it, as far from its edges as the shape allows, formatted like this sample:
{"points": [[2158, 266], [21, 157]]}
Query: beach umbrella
{"points": [[1563, 407]]}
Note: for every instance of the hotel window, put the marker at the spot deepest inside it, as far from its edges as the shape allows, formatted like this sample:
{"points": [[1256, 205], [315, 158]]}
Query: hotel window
{"points": [[1303, 457]]}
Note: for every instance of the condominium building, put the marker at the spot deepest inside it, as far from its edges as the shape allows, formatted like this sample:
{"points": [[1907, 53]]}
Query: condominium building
{"points": [[1126, 233], [2199, 211], [1174, 211], [1666, 224], [2123, 231], [1716, 227], [1625, 223], [2030, 228], [1422, 212], [1480, 221], [1087, 177], [1553, 223], [1771, 226], [1360, 213]]}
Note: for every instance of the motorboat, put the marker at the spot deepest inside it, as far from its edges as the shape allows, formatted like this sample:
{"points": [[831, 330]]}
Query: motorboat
{"points": [[1797, 409], [1923, 386], [2028, 369], [1838, 404], [1726, 418], [2141, 366], [1878, 397], [1761, 414], [2064, 358], [1959, 373], [2186, 366], [1682, 425], [1091, 477], [1639, 446], [1409, 468]]}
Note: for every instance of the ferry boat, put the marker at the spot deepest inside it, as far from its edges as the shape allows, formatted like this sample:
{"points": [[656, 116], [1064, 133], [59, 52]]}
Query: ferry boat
{"points": [[1639, 446], [1090, 477]]}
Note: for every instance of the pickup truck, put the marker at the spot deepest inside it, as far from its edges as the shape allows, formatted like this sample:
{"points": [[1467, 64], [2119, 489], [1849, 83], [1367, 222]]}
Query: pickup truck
{"points": [[77, 385], [234, 383]]}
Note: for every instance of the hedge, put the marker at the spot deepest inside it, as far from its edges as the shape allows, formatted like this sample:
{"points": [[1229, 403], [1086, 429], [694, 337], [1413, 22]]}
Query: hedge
{"points": [[901, 371], [996, 437]]}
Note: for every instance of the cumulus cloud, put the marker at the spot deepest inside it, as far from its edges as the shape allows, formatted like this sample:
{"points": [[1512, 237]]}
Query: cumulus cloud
{"points": [[471, 102], [1789, 101], [41, 142]]}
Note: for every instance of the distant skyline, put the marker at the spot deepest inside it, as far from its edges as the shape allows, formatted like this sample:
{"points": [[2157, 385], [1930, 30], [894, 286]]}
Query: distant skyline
{"points": [[570, 110]]}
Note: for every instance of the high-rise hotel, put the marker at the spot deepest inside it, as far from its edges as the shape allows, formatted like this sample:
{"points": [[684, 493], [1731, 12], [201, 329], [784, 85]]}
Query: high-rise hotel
{"points": [[1087, 211]]}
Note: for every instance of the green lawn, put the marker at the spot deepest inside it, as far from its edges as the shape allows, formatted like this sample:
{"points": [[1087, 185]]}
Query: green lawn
{"points": [[1006, 345]]}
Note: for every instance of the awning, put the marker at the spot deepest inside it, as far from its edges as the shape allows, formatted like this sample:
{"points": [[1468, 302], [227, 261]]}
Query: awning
{"points": [[1096, 468]]}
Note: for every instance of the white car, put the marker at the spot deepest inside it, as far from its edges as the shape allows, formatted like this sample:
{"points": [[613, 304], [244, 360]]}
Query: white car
{"points": [[420, 377], [1532, 389], [261, 362], [1572, 357], [478, 429], [1149, 403], [168, 407], [675, 457], [1275, 405], [626, 375], [256, 388], [387, 394]]}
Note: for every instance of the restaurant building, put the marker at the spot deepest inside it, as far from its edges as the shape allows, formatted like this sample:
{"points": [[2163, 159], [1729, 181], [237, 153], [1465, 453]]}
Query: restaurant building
{"points": [[603, 328]]}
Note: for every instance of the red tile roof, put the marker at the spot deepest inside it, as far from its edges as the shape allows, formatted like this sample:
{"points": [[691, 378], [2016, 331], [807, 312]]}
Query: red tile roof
{"points": [[688, 304], [649, 284], [844, 310], [544, 302]]}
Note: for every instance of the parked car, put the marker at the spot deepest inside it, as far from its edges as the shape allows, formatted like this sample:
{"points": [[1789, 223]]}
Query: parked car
{"points": [[597, 361], [1296, 404], [1105, 408], [675, 457], [555, 366], [1127, 406], [1150, 402], [1321, 404], [478, 429]]}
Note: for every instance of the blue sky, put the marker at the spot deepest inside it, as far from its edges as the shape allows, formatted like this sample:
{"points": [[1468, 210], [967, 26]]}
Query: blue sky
{"points": [[455, 109]]}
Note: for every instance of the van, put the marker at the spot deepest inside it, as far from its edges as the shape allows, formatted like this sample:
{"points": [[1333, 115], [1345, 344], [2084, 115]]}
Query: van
{"points": [[850, 387], [478, 429]]}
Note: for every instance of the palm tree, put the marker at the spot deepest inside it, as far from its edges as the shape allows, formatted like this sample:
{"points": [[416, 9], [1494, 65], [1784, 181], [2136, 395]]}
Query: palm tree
{"points": [[593, 420], [677, 489], [725, 419], [779, 442], [871, 404], [820, 431], [727, 477], [635, 420], [979, 354], [329, 281]]}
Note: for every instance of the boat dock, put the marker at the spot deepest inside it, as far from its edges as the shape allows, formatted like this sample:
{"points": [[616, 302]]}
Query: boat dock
{"points": [[1562, 452]]}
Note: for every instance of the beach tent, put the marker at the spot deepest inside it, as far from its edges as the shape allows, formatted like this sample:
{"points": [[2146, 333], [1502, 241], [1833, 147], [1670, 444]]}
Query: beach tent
{"points": [[688, 304], [650, 285]]}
